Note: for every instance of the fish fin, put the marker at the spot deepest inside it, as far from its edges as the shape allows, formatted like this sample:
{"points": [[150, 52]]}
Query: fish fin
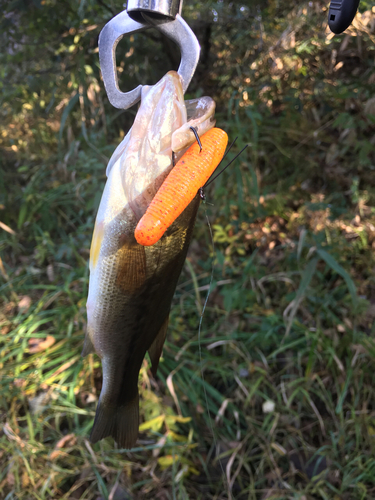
{"points": [[87, 346], [121, 423], [156, 347]]}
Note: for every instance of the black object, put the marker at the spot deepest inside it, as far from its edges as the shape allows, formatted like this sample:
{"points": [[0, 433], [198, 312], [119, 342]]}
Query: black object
{"points": [[341, 13]]}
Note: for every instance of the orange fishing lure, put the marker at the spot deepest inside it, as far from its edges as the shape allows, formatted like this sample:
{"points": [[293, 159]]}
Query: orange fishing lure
{"points": [[191, 172]]}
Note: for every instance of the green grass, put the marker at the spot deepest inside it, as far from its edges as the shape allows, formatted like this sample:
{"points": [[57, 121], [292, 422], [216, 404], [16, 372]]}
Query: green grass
{"points": [[282, 325], [289, 323]]}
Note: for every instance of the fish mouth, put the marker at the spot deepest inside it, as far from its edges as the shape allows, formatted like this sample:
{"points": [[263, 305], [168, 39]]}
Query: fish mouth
{"points": [[200, 115]]}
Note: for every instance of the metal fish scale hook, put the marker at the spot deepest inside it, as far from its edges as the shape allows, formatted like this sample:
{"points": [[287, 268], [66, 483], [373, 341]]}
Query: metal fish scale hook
{"points": [[140, 15]]}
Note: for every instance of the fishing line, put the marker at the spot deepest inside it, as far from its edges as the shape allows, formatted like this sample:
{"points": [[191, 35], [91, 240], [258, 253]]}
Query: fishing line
{"points": [[226, 166], [199, 342], [203, 197]]}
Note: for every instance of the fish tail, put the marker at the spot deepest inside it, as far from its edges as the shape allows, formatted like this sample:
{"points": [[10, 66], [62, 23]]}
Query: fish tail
{"points": [[121, 423]]}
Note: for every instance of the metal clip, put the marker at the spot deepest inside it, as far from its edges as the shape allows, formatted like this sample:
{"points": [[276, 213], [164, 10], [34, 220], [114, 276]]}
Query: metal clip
{"points": [[158, 9], [141, 15]]}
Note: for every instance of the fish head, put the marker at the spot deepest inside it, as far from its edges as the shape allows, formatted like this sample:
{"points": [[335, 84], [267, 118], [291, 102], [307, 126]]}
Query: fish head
{"points": [[162, 125], [147, 159]]}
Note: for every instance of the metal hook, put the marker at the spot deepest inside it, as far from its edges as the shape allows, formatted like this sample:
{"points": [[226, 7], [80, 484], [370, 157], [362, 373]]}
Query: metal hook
{"points": [[152, 13]]}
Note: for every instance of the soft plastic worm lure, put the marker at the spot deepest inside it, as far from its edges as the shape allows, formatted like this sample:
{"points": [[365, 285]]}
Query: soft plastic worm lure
{"points": [[180, 187]]}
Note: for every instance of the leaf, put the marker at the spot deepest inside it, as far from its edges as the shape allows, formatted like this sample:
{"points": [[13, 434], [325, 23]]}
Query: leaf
{"points": [[280, 449], [167, 461], [301, 242], [177, 418], [333, 264], [177, 438], [24, 304], [101, 484], [305, 282], [39, 345], [154, 424], [7, 228], [66, 112], [22, 215], [64, 442], [68, 440]]}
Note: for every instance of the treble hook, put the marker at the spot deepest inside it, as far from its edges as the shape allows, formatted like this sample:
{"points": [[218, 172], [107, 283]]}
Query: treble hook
{"points": [[140, 15]]}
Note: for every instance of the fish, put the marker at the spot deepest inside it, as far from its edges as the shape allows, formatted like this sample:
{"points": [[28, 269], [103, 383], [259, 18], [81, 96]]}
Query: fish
{"points": [[131, 286]]}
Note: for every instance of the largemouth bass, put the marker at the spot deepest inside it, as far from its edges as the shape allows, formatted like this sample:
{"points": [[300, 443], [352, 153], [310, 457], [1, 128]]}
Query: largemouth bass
{"points": [[131, 286]]}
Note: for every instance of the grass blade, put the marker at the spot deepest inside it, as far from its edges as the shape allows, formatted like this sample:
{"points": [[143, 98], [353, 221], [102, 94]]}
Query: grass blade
{"points": [[335, 266]]}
